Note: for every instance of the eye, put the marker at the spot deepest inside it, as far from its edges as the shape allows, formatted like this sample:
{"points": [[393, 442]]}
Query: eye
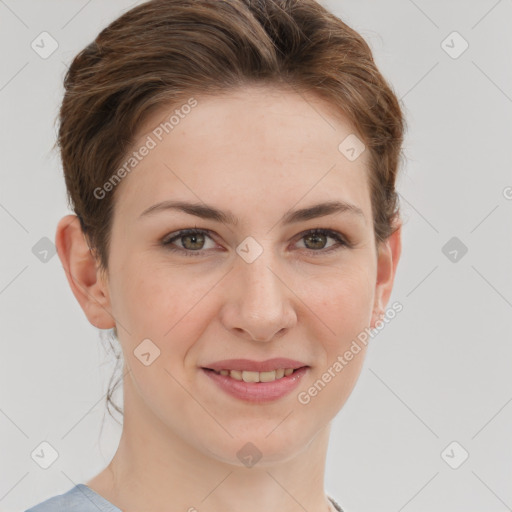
{"points": [[193, 241], [316, 240]]}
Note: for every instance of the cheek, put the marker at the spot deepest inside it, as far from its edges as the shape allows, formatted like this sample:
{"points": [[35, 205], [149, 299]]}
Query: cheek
{"points": [[343, 300], [172, 308], [343, 304], [152, 295]]}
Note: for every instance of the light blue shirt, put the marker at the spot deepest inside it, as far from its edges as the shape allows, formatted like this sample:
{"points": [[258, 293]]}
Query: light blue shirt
{"points": [[81, 498]]}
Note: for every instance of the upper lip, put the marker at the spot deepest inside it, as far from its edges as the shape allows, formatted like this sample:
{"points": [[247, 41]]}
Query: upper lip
{"points": [[255, 366]]}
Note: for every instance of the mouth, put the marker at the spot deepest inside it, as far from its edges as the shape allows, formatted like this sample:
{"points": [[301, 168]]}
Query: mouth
{"points": [[256, 381], [256, 387], [253, 376]]}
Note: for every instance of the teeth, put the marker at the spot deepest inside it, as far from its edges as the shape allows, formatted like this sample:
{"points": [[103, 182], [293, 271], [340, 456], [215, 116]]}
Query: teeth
{"points": [[247, 376], [252, 376], [236, 374]]}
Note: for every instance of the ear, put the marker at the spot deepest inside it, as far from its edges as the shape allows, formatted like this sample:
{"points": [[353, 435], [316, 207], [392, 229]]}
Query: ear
{"points": [[87, 283], [387, 261]]}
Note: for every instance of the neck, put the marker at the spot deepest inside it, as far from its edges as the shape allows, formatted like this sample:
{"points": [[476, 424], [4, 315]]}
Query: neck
{"points": [[155, 468]]}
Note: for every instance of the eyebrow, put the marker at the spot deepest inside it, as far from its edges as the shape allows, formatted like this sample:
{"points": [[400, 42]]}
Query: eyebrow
{"points": [[205, 211]]}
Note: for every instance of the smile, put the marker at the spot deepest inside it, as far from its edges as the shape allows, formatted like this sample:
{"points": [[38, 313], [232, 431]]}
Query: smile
{"points": [[249, 376], [259, 387]]}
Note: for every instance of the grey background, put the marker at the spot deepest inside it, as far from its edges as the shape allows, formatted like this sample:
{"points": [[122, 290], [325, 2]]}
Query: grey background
{"points": [[438, 373]]}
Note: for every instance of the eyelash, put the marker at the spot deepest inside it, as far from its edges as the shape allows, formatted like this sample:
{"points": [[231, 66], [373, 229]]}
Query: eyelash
{"points": [[342, 242]]}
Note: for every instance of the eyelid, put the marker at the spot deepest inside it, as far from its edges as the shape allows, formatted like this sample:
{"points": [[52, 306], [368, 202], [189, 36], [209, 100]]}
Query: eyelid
{"points": [[342, 240], [167, 239]]}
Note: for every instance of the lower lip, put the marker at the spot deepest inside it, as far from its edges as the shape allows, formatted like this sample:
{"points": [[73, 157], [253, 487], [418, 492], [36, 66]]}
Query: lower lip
{"points": [[257, 391]]}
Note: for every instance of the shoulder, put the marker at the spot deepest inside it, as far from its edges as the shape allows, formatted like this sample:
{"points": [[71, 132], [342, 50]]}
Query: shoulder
{"points": [[74, 500]]}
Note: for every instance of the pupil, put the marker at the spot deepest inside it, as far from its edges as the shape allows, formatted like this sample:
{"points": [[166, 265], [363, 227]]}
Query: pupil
{"points": [[194, 238], [317, 237]]}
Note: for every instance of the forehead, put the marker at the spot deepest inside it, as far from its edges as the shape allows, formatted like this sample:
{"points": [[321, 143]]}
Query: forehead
{"points": [[255, 111], [271, 144]]}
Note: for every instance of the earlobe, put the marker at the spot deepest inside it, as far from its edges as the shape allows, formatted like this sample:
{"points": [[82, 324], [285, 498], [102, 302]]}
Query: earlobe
{"points": [[81, 270], [388, 257]]}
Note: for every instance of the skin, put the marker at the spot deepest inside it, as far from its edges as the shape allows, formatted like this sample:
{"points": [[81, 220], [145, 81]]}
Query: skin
{"points": [[258, 152]]}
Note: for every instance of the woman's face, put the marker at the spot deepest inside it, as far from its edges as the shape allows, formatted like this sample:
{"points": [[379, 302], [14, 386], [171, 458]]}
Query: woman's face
{"points": [[257, 288]]}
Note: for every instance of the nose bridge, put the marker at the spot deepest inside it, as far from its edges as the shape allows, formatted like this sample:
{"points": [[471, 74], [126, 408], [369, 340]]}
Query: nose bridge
{"points": [[261, 306], [262, 288]]}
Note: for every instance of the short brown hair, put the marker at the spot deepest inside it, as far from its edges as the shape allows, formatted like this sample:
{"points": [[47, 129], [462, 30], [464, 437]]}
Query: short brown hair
{"points": [[163, 51]]}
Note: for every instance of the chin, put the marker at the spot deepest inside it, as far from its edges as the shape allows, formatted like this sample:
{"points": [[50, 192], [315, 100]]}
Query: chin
{"points": [[261, 448]]}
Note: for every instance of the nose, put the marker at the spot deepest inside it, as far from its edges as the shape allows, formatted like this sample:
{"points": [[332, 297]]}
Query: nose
{"points": [[259, 303]]}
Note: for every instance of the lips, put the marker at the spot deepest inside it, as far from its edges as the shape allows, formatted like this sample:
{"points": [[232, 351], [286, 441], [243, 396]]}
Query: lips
{"points": [[255, 366], [257, 392]]}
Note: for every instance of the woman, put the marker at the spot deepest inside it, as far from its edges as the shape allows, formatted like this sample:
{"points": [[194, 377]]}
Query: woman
{"points": [[232, 167]]}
